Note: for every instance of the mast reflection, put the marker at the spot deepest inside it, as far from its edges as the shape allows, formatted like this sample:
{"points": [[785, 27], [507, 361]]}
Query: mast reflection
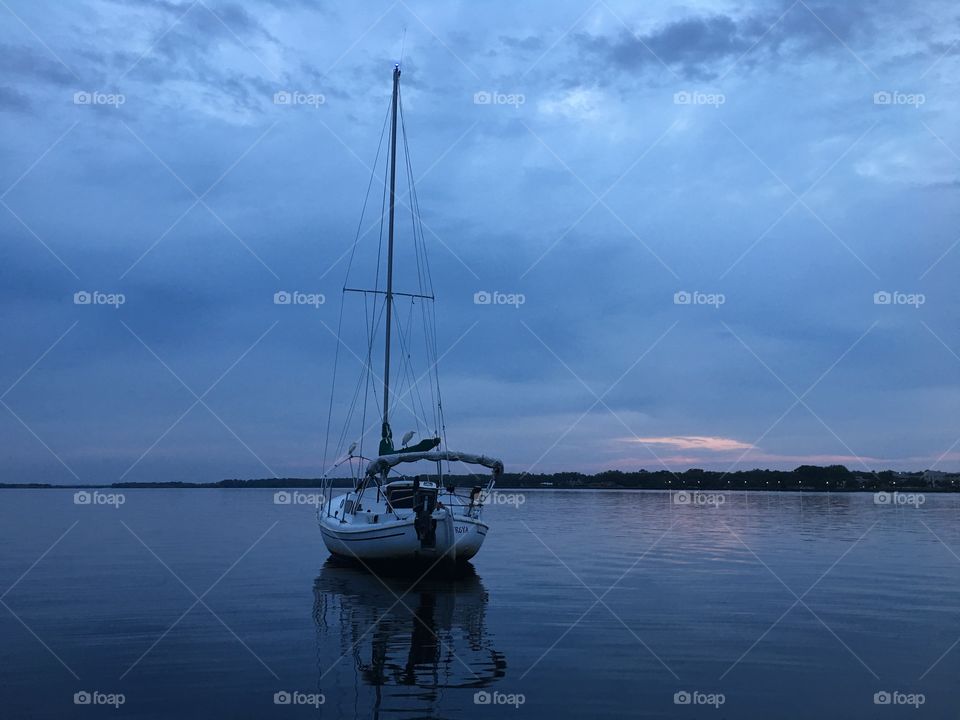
{"points": [[378, 656]]}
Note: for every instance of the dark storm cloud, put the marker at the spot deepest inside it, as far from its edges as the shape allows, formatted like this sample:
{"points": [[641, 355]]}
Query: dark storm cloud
{"points": [[28, 65], [529, 42], [13, 99], [702, 47], [236, 18], [197, 34]]}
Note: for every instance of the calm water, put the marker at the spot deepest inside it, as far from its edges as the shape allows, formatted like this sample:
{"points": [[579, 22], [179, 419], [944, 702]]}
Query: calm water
{"points": [[696, 599]]}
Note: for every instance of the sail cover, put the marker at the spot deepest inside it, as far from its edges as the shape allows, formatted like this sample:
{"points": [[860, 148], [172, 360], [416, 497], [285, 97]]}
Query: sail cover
{"points": [[385, 462]]}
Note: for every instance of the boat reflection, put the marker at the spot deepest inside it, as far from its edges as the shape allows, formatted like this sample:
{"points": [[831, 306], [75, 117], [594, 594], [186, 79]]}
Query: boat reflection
{"points": [[378, 656]]}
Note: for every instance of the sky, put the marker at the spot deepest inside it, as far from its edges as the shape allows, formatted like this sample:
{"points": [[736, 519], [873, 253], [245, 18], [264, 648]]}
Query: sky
{"points": [[715, 234]]}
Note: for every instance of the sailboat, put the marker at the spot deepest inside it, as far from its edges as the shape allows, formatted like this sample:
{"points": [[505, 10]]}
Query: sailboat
{"points": [[390, 515]]}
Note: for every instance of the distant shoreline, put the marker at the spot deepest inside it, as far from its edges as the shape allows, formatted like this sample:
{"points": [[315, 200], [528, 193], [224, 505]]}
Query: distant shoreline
{"points": [[806, 478]]}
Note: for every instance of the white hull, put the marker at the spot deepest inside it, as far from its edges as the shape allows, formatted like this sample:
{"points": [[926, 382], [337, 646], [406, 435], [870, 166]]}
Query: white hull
{"points": [[457, 539], [407, 520]]}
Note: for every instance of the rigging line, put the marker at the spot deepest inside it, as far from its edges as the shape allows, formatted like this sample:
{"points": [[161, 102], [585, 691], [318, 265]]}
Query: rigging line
{"points": [[366, 384], [424, 315], [383, 210], [350, 411], [361, 381], [336, 359], [409, 334], [375, 317], [408, 356], [422, 241], [371, 322], [407, 363], [353, 251], [416, 208], [409, 377], [375, 323], [411, 187], [413, 218], [418, 252], [420, 249], [366, 198]]}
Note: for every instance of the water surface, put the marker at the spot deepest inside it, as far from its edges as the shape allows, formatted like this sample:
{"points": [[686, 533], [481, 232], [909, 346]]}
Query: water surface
{"points": [[206, 603]]}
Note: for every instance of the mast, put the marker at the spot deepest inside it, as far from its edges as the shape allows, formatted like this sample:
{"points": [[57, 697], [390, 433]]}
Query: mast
{"points": [[386, 437]]}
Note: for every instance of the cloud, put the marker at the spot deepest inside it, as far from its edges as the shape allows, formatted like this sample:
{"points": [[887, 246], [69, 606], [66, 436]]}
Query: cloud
{"points": [[576, 104], [917, 159], [26, 64], [530, 42], [13, 99], [700, 47], [693, 442]]}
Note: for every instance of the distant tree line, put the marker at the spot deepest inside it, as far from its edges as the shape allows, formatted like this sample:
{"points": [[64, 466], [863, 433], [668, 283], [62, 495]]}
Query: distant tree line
{"points": [[804, 478]]}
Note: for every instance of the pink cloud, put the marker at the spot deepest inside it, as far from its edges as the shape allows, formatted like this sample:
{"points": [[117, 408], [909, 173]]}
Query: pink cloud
{"points": [[693, 442]]}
